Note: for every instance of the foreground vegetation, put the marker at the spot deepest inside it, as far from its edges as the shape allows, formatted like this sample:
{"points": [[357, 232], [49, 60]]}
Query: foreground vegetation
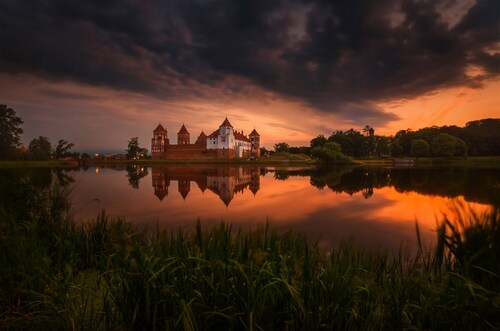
{"points": [[108, 274]]}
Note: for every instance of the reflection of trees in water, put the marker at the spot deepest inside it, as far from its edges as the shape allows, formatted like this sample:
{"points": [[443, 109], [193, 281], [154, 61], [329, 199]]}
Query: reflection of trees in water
{"points": [[476, 185], [284, 174], [23, 189], [135, 173]]}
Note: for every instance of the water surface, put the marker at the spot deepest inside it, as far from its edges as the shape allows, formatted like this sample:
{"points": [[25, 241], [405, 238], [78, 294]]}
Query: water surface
{"points": [[375, 207]]}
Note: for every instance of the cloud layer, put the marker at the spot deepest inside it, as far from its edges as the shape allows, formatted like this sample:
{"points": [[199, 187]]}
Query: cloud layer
{"points": [[337, 57]]}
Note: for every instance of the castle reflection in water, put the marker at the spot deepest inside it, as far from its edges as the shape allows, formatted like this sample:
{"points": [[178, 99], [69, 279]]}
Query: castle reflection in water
{"points": [[223, 181]]}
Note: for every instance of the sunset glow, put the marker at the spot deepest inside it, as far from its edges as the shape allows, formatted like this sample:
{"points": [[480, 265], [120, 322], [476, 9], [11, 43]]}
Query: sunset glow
{"points": [[291, 70]]}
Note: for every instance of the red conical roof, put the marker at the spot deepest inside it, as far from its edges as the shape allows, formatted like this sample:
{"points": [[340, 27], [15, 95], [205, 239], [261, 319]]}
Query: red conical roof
{"points": [[183, 130], [159, 128], [254, 133], [226, 123]]}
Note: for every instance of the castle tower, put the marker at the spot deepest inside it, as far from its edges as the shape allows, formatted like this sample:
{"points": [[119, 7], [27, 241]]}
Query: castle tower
{"points": [[255, 140], [226, 135], [160, 140], [202, 139], [225, 141], [183, 136]]}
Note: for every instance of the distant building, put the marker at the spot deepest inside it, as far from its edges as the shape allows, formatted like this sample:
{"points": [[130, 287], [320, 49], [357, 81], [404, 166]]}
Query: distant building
{"points": [[114, 156], [224, 143]]}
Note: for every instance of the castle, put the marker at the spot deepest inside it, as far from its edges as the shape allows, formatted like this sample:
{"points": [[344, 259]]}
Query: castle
{"points": [[224, 143]]}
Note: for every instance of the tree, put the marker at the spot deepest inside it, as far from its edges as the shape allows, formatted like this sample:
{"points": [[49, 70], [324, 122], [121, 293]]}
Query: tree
{"points": [[319, 141], [300, 150], [333, 147], [134, 151], [460, 147], [40, 149], [359, 143], [419, 147], [368, 131], [382, 146], [9, 132], [62, 149], [443, 145], [264, 151], [330, 153], [282, 147], [396, 148]]}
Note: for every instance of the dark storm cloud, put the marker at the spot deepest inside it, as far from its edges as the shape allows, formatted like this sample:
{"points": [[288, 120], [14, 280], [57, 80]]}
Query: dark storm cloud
{"points": [[336, 56], [66, 95]]}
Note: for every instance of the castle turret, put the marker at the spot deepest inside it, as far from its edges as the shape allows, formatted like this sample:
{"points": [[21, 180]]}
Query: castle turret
{"points": [[160, 140], [255, 141], [226, 139], [202, 139], [226, 129], [183, 137]]}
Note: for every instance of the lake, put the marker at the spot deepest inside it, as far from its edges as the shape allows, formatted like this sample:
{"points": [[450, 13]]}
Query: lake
{"points": [[373, 206]]}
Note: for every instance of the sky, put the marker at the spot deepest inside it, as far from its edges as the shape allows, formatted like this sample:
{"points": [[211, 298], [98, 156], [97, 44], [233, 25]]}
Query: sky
{"points": [[97, 73]]}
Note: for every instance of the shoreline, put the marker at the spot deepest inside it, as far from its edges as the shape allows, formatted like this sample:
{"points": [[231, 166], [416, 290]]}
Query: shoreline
{"points": [[486, 161]]}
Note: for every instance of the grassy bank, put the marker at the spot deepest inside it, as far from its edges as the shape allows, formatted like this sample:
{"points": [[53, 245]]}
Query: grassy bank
{"points": [[35, 164], [476, 161], [471, 161], [108, 275], [275, 159]]}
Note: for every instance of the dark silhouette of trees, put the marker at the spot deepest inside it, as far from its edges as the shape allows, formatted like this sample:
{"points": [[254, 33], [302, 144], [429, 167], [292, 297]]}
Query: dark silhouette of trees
{"points": [[282, 147], [382, 146], [300, 150], [63, 148], [9, 133], [40, 149], [480, 137], [319, 141], [460, 147], [264, 151], [330, 153], [134, 151], [443, 145], [355, 144], [419, 148]]}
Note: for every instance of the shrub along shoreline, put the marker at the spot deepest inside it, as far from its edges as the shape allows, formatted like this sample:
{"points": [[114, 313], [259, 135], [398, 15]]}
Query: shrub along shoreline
{"points": [[108, 274]]}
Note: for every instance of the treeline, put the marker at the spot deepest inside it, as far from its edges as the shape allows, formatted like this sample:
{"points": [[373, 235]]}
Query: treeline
{"points": [[477, 138], [38, 149]]}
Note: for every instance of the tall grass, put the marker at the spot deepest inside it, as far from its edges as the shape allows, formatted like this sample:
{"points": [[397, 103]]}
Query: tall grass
{"points": [[108, 274]]}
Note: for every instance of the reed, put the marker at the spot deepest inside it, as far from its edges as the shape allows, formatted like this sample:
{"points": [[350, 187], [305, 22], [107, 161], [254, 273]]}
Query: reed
{"points": [[107, 275]]}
